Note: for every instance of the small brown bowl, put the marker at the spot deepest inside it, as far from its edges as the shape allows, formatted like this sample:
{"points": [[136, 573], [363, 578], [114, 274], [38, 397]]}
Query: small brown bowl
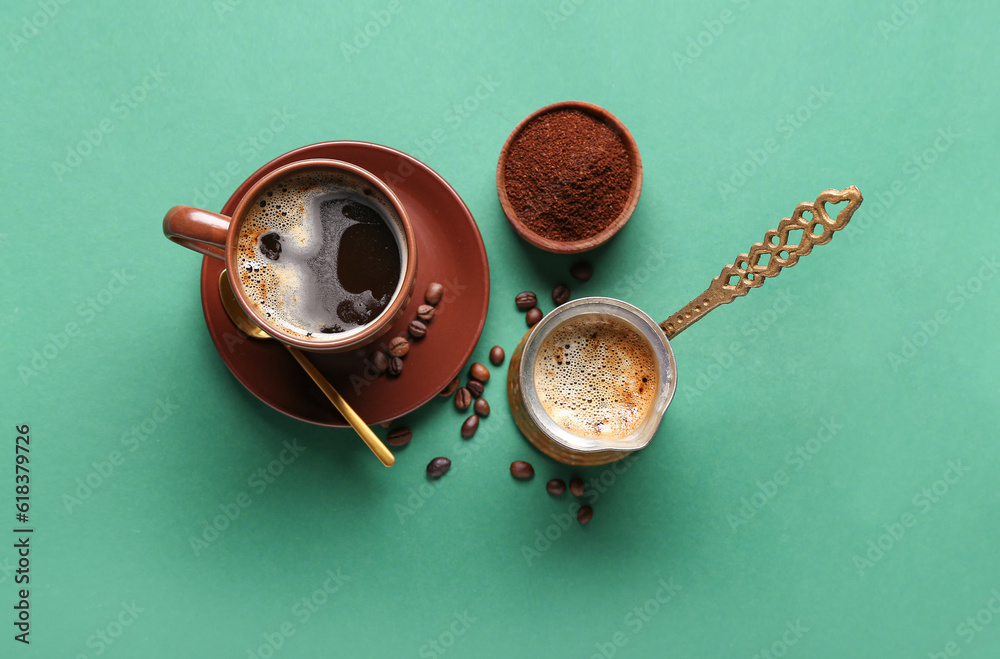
{"points": [[585, 244]]}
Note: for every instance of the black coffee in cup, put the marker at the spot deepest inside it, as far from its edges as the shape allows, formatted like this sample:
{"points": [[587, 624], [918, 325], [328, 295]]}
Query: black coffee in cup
{"points": [[319, 254]]}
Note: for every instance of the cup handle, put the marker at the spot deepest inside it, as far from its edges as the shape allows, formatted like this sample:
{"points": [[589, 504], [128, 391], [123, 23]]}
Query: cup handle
{"points": [[203, 231], [750, 269]]}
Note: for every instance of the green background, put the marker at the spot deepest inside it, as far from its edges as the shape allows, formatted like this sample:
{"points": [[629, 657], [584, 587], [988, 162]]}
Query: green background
{"points": [[898, 98]]}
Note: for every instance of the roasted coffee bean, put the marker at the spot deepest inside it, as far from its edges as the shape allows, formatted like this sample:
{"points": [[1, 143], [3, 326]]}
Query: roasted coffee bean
{"points": [[450, 389], [438, 467], [463, 398], [378, 361], [470, 426], [399, 436], [481, 407], [425, 312], [521, 469], [480, 372], [475, 387], [576, 487], [560, 294], [433, 293], [585, 514], [525, 300], [534, 315], [496, 355], [395, 366], [398, 347], [417, 329], [556, 486], [582, 270]]}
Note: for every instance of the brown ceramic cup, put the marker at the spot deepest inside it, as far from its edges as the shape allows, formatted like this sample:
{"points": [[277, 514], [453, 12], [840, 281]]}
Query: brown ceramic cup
{"points": [[218, 236]]}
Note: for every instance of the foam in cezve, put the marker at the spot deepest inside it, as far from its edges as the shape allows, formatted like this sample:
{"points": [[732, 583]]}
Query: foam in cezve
{"points": [[596, 377], [286, 291]]}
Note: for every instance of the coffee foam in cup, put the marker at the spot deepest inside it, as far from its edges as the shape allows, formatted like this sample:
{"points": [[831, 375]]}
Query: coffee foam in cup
{"points": [[596, 376], [293, 297]]}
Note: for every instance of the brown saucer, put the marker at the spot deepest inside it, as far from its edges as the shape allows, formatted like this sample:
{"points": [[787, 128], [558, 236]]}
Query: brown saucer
{"points": [[449, 250]]}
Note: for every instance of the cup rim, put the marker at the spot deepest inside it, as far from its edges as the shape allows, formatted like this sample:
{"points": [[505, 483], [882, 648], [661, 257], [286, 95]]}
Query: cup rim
{"points": [[585, 244], [366, 333], [666, 361]]}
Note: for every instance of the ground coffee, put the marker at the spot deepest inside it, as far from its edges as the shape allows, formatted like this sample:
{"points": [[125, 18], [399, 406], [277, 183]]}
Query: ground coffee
{"points": [[567, 175]]}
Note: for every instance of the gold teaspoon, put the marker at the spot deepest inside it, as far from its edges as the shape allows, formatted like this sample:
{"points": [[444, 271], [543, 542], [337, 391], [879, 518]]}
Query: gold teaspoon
{"points": [[250, 328]]}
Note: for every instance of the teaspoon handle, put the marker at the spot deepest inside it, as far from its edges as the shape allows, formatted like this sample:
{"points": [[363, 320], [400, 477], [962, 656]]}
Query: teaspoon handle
{"points": [[360, 427]]}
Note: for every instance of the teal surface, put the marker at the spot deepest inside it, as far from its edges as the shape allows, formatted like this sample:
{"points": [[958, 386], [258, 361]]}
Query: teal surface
{"points": [[824, 484]]}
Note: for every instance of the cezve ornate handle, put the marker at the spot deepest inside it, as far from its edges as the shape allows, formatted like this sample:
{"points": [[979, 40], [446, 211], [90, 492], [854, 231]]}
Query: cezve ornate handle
{"points": [[766, 259]]}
